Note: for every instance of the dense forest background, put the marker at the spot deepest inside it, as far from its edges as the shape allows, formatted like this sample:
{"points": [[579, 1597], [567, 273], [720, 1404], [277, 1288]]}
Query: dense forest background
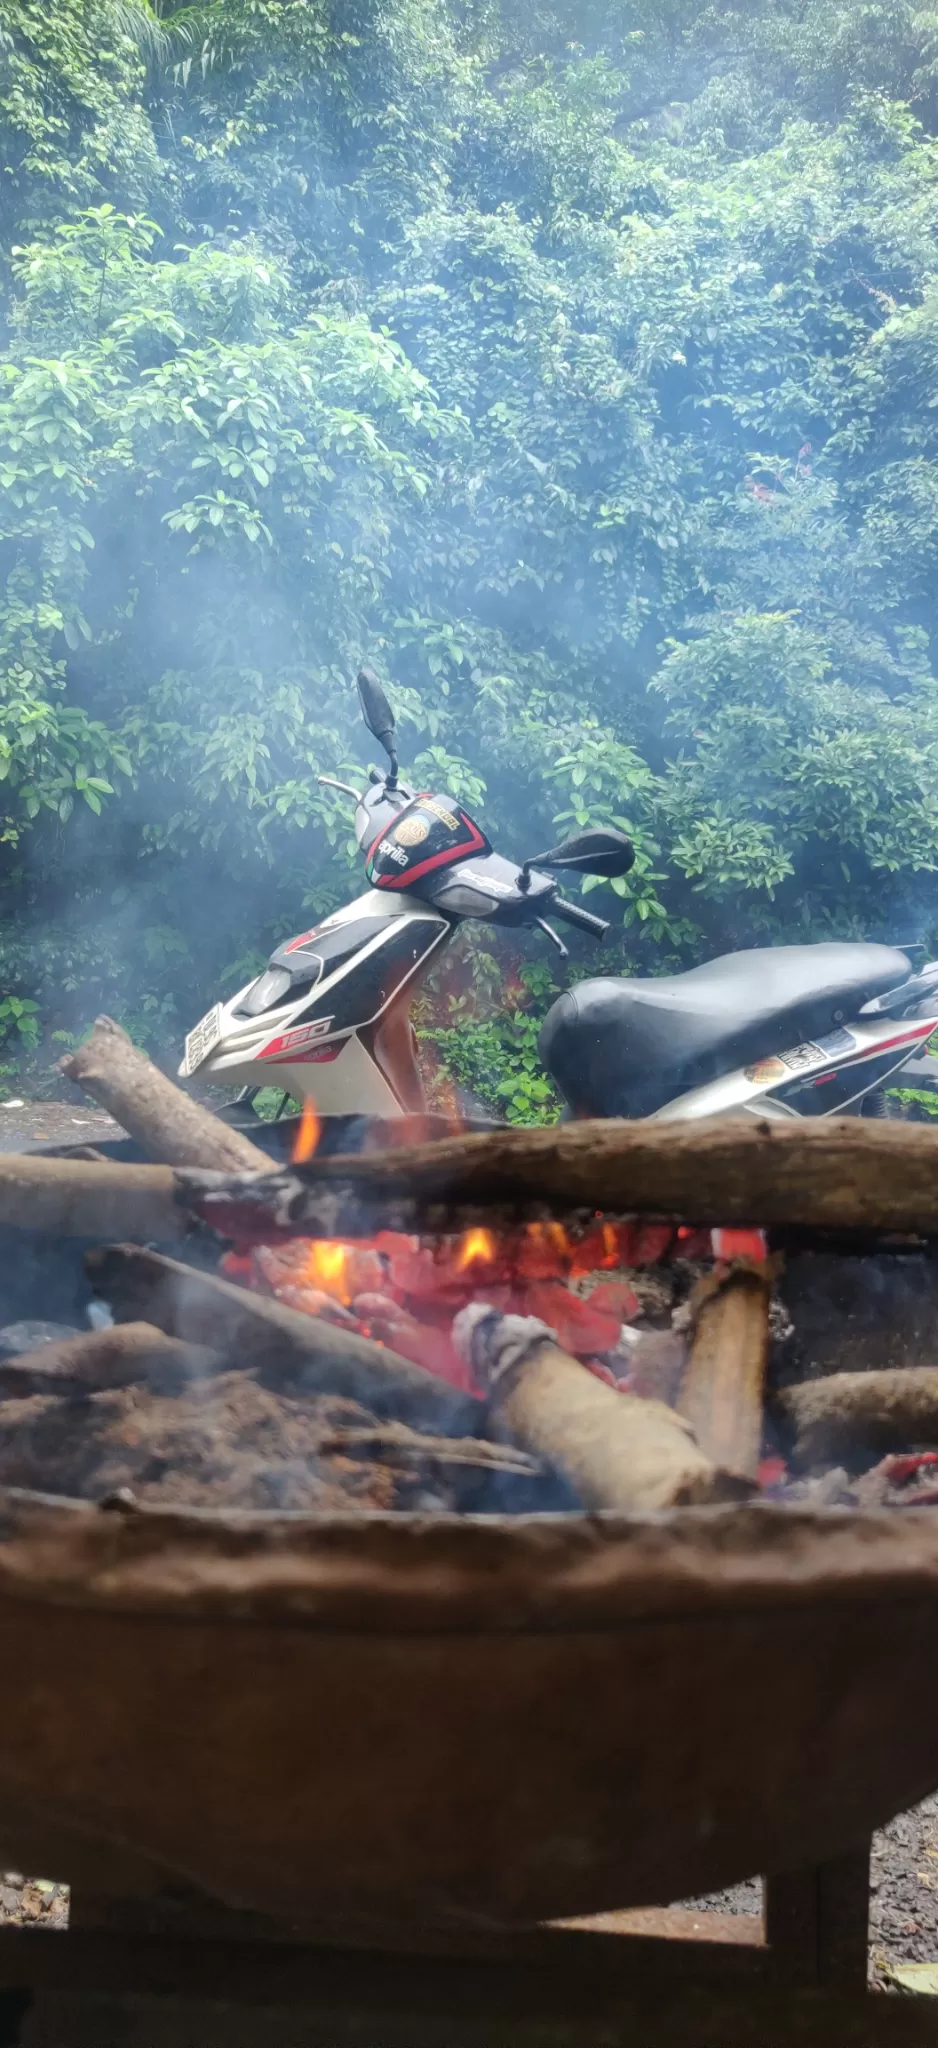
{"points": [[575, 364]]}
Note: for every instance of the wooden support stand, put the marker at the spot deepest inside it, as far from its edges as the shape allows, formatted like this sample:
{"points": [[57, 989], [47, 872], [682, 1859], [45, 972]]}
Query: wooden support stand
{"points": [[187, 1974]]}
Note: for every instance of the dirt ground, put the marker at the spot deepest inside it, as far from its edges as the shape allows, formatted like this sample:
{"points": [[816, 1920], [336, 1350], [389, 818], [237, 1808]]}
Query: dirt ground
{"points": [[53, 1123], [31, 1902], [903, 1892]]}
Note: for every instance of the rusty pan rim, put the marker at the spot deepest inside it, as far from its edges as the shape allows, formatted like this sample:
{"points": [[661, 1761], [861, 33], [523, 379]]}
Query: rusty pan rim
{"points": [[392, 1573]]}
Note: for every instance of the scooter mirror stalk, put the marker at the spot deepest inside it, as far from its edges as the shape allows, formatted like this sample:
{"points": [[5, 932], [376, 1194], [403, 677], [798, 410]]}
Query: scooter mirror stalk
{"points": [[379, 718]]}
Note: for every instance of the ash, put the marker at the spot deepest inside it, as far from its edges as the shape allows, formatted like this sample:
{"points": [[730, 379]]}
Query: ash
{"points": [[226, 1442]]}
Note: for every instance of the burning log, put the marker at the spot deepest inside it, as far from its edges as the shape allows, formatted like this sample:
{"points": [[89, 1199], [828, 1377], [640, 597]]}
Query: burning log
{"points": [[615, 1450], [837, 1174], [722, 1393], [74, 1198], [854, 1417], [98, 1359], [170, 1125], [200, 1308]]}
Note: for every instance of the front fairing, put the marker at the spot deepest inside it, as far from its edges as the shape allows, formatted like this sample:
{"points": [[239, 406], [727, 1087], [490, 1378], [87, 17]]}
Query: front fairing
{"points": [[427, 846], [422, 838]]}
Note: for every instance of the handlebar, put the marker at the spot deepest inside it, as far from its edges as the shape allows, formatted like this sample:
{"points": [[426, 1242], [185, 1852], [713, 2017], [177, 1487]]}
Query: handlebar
{"points": [[597, 927]]}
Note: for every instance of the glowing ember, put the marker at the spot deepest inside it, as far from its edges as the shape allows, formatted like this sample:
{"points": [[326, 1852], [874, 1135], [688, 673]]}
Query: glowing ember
{"points": [[404, 1291], [327, 1267], [321, 1266], [308, 1135]]}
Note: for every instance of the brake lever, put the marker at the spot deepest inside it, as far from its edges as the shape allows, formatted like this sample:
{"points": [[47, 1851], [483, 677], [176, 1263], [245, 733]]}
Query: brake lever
{"points": [[554, 937], [329, 782]]}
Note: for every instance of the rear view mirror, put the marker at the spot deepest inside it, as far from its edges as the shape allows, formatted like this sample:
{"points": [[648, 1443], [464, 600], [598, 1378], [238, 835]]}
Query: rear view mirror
{"points": [[599, 850], [377, 713]]}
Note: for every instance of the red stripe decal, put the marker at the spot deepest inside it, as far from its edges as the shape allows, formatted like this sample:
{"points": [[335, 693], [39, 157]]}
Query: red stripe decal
{"points": [[447, 859], [907, 1038], [872, 1052]]}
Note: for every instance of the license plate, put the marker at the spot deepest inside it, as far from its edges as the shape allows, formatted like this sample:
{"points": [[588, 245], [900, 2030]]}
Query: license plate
{"points": [[203, 1038]]}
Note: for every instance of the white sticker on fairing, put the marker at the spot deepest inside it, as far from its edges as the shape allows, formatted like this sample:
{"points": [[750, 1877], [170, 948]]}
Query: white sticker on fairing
{"points": [[290, 1041], [486, 883]]}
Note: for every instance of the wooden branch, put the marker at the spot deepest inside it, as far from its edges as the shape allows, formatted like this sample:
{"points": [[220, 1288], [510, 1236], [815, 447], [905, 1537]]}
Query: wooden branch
{"points": [[616, 1450], [396, 1444], [856, 1417], [81, 1198], [169, 1124], [201, 1309], [101, 1359], [829, 1174], [722, 1392]]}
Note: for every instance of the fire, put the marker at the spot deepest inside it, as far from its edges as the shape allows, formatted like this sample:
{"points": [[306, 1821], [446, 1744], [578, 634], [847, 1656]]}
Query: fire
{"points": [[327, 1266], [309, 1133], [404, 1291], [477, 1247]]}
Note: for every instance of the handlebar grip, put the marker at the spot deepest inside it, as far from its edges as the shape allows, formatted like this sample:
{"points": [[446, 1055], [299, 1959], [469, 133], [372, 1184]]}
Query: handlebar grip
{"points": [[597, 927]]}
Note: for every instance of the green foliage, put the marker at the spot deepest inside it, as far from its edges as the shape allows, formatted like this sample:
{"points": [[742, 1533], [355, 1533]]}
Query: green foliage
{"points": [[922, 1098], [488, 1045], [18, 1023], [576, 365]]}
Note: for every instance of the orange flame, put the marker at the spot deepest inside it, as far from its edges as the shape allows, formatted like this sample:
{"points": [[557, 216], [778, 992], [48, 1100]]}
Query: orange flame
{"points": [[478, 1247], [309, 1133], [327, 1267]]}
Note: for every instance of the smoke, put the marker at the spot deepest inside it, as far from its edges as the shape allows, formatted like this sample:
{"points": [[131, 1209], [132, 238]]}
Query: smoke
{"points": [[572, 372]]}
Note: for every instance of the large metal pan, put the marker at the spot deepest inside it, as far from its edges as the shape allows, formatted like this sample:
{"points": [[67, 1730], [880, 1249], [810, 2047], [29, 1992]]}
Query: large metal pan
{"points": [[483, 1723]]}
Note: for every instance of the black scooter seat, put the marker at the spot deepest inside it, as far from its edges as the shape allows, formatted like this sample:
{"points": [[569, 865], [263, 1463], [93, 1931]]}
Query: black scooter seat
{"points": [[624, 1048]]}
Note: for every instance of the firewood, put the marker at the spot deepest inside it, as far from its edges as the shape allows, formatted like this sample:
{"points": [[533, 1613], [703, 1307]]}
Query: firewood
{"points": [[853, 1417], [395, 1444], [830, 1174], [722, 1392], [170, 1125], [78, 1198], [467, 1474], [201, 1309], [616, 1450], [98, 1359]]}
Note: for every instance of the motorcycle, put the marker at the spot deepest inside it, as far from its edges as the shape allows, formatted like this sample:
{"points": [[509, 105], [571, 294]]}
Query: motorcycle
{"points": [[788, 1031]]}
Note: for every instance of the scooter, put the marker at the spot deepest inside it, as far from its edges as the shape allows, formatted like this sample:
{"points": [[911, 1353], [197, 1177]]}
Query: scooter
{"points": [[788, 1031]]}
